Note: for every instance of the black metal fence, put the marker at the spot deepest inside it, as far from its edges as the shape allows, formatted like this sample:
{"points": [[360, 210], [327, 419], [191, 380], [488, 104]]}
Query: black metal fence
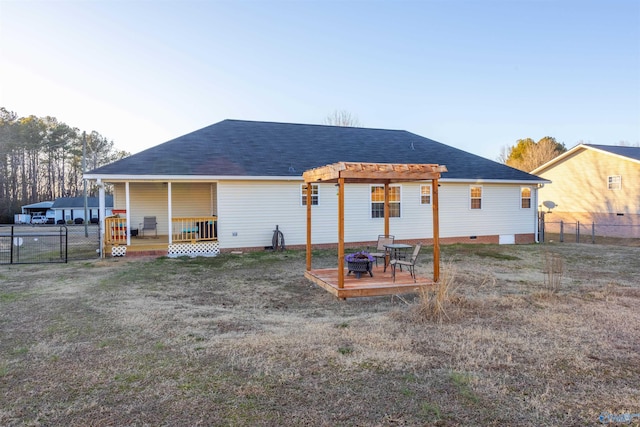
{"points": [[47, 243]]}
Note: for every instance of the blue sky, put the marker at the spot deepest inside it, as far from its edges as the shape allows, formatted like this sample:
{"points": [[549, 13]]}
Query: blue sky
{"points": [[477, 75]]}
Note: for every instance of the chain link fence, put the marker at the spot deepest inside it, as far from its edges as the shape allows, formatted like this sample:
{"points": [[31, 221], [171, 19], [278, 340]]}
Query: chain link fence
{"points": [[48, 243], [589, 232]]}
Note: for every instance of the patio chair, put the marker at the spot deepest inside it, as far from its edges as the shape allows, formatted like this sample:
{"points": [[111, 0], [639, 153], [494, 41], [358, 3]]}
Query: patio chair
{"points": [[380, 250], [410, 263], [149, 224]]}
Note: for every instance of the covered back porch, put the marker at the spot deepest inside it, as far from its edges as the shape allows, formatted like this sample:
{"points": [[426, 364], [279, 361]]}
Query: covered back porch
{"points": [[161, 218]]}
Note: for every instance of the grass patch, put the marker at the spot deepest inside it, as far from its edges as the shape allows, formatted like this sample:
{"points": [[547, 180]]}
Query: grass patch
{"points": [[430, 411], [8, 297], [246, 340], [462, 383], [499, 252], [345, 351]]}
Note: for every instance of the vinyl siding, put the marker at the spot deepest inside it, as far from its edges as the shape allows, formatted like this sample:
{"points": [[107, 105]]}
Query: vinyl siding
{"points": [[500, 214], [248, 211], [579, 184], [252, 210], [192, 199], [150, 199]]}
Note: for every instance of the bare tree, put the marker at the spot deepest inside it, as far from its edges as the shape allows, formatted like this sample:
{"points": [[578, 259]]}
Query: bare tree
{"points": [[342, 118]]}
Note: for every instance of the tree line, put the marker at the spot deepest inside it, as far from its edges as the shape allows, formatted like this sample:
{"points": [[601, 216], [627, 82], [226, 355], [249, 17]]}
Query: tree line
{"points": [[41, 159]]}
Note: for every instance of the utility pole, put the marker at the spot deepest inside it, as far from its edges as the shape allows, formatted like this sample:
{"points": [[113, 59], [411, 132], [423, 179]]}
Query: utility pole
{"points": [[84, 183]]}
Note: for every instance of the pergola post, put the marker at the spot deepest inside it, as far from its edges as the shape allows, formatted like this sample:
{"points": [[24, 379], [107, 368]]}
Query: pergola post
{"points": [[386, 209], [308, 226], [436, 232], [340, 233]]}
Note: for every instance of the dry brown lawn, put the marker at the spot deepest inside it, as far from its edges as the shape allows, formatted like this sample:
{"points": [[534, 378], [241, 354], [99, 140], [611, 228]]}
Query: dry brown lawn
{"points": [[244, 340]]}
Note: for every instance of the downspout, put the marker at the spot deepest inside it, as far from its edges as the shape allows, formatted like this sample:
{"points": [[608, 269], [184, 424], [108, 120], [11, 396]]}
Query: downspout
{"points": [[536, 215]]}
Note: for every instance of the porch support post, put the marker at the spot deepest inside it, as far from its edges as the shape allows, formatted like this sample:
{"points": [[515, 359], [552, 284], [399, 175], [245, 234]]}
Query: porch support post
{"points": [[340, 233], [101, 213], [169, 213], [128, 214], [386, 208], [308, 226], [436, 232], [536, 213]]}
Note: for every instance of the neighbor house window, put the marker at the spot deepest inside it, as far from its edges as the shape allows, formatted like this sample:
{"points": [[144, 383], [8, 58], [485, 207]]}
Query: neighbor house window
{"points": [[525, 197], [425, 194], [475, 193], [377, 201], [314, 194], [614, 182]]}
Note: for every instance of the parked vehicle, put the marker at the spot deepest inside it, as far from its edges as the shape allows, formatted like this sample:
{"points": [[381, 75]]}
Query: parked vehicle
{"points": [[38, 219], [21, 219]]}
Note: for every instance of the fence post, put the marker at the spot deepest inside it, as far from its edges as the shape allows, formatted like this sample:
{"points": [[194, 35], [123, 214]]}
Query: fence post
{"points": [[593, 232], [11, 247], [577, 231], [66, 244], [561, 231]]}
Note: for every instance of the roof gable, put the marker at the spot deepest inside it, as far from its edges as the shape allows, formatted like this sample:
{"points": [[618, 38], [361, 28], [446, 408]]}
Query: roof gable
{"points": [[632, 153], [628, 153], [265, 149]]}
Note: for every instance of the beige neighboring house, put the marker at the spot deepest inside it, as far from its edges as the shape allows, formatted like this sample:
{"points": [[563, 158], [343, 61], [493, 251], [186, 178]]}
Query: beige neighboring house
{"points": [[595, 184]]}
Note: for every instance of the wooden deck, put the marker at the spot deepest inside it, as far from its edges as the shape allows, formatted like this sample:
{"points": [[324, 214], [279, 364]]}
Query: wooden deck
{"points": [[380, 284], [141, 246]]}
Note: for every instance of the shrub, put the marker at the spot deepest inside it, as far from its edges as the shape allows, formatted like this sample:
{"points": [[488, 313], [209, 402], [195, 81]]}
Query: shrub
{"points": [[553, 271], [434, 303]]}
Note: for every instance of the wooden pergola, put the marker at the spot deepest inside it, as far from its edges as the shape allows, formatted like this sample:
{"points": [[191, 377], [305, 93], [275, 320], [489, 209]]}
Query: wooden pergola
{"points": [[343, 173]]}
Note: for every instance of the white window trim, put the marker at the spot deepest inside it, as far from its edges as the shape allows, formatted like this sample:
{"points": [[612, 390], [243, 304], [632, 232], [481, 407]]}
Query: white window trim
{"points": [[618, 182], [530, 197], [472, 198], [371, 202], [430, 194], [303, 193]]}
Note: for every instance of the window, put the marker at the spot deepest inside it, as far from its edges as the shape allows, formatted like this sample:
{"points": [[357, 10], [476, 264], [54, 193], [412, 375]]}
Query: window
{"points": [[314, 194], [614, 182], [377, 201], [476, 197], [425, 194], [525, 197]]}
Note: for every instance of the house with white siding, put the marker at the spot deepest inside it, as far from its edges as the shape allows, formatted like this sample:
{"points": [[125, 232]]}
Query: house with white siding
{"points": [[71, 209], [595, 184], [227, 186]]}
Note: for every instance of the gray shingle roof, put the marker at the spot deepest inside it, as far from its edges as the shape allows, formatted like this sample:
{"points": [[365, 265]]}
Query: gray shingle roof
{"points": [[630, 152], [78, 202], [248, 148]]}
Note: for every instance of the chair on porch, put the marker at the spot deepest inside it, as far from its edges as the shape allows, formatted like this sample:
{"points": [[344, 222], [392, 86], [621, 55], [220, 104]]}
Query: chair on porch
{"points": [[410, 263], [380, 250], [149, 224]]}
